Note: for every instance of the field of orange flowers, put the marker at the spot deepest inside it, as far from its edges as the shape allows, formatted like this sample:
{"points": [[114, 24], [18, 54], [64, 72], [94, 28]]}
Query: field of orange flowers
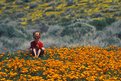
{"points": [[63, 64]]}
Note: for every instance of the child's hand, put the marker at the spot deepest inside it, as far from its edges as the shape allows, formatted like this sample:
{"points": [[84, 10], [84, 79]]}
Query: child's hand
{"points": [[43, 48]]}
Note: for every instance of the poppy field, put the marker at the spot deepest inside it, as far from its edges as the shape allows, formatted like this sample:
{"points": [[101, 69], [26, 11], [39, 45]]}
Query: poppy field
{"points": [[83, 63]]}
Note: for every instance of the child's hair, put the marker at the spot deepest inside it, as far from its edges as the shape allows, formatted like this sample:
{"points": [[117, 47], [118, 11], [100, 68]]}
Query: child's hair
{"points": [[34, 34]]}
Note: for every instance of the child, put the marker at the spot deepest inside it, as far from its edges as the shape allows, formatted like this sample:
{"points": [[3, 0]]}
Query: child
{"points": [[36, 45]]}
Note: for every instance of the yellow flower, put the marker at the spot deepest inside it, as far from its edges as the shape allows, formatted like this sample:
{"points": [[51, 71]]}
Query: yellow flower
{"points": [[24, 70], [3, 74], [12, 74]]}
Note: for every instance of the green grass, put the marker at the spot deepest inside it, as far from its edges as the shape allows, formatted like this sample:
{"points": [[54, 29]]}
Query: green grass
{"points": [[57, 8]]}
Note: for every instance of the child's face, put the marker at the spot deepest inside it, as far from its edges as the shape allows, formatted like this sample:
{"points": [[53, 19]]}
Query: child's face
{"points": [[37, 35]]}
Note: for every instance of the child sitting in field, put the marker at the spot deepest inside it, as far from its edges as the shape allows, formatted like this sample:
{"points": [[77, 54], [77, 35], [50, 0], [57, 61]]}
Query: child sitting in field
{"points": [[36, 45]]}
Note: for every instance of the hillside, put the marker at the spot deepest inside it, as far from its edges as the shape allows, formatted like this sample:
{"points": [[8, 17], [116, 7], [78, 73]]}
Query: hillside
{"points": [[30, 11], [61, 22], [82, 40]]}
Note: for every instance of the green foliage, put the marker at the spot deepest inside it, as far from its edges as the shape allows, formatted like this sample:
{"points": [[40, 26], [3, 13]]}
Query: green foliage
{"points": [[65, 21], [9, 0], [46, 1], [112, 41], [64, 13], [49, 10], [70, 2], [110, 20], [26, 0], [101, 24], [78, 9], [19, 2], [33, 5], [9, 31], [67, 31], [19, 15]]}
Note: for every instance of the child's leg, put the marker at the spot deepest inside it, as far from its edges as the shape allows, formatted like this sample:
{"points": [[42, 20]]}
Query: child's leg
{"points": [[41, 53], [34, 51], [39, 50]]}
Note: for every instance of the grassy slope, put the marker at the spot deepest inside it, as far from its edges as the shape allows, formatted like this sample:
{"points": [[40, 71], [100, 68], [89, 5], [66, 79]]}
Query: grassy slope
{"points": [[96, 64], [57, 9], [59, 21]]}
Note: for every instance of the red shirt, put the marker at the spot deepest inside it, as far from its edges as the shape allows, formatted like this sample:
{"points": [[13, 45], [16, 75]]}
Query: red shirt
{"points": [[35, 44]]}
